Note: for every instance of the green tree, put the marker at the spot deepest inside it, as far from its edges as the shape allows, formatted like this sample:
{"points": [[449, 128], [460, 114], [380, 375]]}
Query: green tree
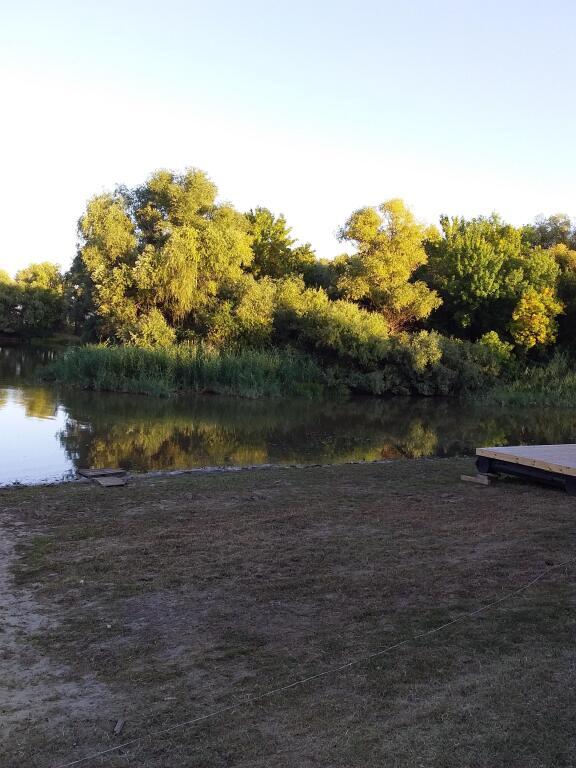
{"points": [[325, 274], [564, 256], [157, 255], [109, 253], [40, 299], [481, 267], [566, 259], [10, 297], [275, 252], [336, 330], [551, 230], [79, 304], [43, 275], [380, 275], [534, 318], [242, 314]]}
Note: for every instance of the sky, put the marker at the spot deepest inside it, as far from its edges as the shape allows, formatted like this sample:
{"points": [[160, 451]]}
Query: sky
{"points": [[312, 109]]}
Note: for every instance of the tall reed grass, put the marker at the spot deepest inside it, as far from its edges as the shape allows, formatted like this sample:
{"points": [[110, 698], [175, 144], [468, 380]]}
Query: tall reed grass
{"points": [[188, 368], [549, 384], [284, 372]]}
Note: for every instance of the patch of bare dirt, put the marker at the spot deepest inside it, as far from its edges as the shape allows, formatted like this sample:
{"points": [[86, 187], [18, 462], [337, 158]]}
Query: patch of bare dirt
{"points": [[34, 688], [168, 599]]}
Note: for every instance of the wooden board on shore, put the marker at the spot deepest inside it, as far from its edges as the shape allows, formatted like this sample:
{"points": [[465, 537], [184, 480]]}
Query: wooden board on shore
{"points": [[559, 459], [479, 479], [109, 481], [105, 472]]}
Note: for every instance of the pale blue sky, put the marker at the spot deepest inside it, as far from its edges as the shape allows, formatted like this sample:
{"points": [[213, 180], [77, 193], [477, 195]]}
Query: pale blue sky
{"points": [[311, 108]]}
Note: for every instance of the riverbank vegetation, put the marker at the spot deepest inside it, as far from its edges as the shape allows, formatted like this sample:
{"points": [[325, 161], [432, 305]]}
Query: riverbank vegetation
{"points": [[550, 383], [189, 368], [420, 364], [213, 292]]}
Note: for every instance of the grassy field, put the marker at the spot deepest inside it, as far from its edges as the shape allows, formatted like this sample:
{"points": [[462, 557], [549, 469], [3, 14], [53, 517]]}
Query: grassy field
{"points": [[170, 598]]}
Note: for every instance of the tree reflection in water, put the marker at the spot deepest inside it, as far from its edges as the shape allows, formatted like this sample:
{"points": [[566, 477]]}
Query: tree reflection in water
{"points": [[146, 433], [137, 432]]}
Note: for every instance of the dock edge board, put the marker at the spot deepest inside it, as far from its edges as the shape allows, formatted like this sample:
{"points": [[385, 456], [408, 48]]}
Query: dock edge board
{"points": [[549, 458], [487, 464]]}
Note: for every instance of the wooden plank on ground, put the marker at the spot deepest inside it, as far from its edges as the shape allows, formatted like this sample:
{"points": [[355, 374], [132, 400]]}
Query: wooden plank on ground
{"points": [[118, 727], [480, 479], [104, 472], [550, 458], [107, 482]]}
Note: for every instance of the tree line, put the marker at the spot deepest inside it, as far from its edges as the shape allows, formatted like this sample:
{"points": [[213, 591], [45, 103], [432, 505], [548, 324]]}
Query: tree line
{"points": [[165, 263]]}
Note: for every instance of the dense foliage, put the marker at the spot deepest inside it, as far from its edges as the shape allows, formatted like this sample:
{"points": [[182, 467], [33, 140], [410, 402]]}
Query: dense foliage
{"points": [[411, 309], [33, 303]]}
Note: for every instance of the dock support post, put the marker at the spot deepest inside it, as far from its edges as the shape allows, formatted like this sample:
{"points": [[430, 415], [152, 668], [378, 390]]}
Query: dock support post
{"points": [[570, 486], [483, 465]]}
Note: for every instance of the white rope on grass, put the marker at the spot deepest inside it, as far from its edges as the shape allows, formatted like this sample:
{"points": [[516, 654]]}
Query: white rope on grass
{"points": [[318, 675]]}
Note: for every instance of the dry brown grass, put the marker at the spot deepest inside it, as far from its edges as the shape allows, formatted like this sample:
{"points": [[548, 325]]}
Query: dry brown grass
{"points": [[169, 598]]}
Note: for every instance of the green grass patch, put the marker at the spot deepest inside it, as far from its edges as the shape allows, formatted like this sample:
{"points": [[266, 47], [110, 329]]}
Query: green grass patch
{"points": [[35, 560], [37, 550]]}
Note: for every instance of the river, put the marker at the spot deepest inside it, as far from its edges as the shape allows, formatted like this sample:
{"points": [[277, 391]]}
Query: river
{"points": [[48, 432]]}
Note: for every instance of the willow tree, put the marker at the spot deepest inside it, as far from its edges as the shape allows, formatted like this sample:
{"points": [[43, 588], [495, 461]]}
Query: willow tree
{"points": [[41, 298], [276, 253], [157, 254], [43, 275], [380, 274]]}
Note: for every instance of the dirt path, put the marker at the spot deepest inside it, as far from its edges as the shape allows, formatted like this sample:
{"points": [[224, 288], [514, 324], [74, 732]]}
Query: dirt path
{"points": [[34, 689]]}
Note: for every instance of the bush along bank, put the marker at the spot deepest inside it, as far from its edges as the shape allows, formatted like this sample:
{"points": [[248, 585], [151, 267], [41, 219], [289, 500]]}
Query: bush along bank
{"points": [[420, 364]]}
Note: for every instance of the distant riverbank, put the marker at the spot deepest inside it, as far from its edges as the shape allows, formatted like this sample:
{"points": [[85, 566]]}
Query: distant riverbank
{"points": [[55, 429], [431, 366], [284, 372]]}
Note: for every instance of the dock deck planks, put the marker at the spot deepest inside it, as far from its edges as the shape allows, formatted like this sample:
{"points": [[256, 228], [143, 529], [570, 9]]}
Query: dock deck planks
{"points": [[551, 458], [549, 463]]}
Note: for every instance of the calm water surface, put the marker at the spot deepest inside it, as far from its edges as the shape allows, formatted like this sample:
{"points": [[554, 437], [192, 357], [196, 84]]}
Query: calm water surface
{"points": [[47, 432]]}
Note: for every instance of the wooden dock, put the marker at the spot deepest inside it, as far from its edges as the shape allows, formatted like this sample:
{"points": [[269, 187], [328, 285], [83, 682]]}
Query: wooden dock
{"points": [[554, 464]]}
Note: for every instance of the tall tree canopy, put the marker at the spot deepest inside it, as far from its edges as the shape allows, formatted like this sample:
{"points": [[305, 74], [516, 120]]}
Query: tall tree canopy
{"points": [[551, 230], [380, 275], [43, 275], [275, 252], [160, 252], [566, 259], [165, 262], [481, 269], [33, 303]]}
